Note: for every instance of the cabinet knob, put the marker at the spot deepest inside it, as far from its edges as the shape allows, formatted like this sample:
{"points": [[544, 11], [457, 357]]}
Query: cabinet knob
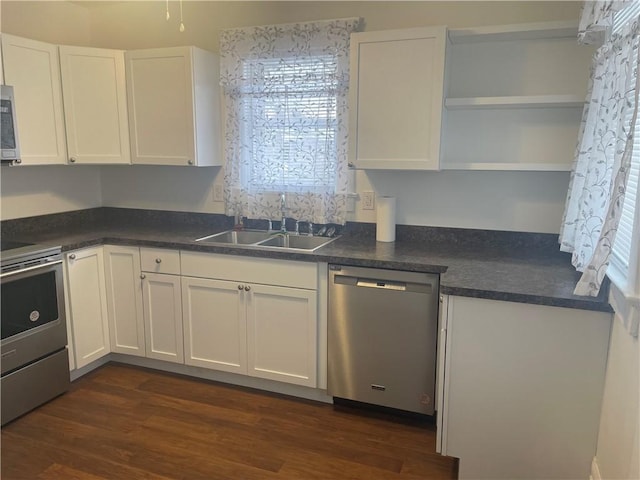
{"points": [[143, 276], [158, 260], [72, 256], [72, 159], [240, 287], [351, 165], [18, 161], [247, 288], [190, 162]]}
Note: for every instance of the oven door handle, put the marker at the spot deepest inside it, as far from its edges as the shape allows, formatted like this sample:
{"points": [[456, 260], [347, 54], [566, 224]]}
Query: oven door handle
{"points": [[29, 269]]}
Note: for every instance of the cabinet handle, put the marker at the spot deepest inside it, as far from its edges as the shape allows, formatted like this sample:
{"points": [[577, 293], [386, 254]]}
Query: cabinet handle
{"points": [[72, 159], [18, 161], [190, 162], [143, 276], [158, 260], [72, 256], [247, 288], [240, 287]]}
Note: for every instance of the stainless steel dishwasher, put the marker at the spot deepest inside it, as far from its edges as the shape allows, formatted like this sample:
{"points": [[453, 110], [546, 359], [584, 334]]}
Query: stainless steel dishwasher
{"points": [[382, 337]]}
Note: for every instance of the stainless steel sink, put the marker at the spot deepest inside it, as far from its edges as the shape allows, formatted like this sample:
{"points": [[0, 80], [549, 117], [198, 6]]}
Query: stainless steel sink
{"points": [[267, 239], [296, 242], [240, 237]]}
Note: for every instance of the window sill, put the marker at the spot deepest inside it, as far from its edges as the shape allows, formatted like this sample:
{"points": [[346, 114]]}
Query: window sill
{"points": [[625, 302]]}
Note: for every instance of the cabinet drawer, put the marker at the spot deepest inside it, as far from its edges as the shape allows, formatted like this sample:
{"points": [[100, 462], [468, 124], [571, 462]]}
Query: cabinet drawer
{"points": [[266, 271], [160, 260]]}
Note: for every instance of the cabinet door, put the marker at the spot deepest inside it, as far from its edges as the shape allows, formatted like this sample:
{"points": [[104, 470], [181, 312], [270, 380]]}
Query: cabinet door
{"points": [[173, 95], [282, 334], [34, 71], [88, 305], [523, 387], [95, 105], [124, 300], [163, 317], [396, 91], [215, 328]]}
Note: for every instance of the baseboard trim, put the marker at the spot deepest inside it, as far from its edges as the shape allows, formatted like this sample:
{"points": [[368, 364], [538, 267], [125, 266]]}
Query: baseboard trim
{"points": [[308, 393], [595, 470]]}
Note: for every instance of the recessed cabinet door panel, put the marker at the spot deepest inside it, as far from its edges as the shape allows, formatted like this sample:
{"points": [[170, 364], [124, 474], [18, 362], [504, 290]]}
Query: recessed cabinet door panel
{"points": [[215, 330], [32, 68], [124, 300], [95, 105], [160, 92], [88, 305], [163, 317], [396, 98], [282, 334]]}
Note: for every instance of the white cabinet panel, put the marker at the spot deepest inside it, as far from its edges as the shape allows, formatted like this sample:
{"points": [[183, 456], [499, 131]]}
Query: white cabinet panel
{"points": [[88, 305], [174, 106], [124, 295], [522, 389], [33, 69], [215, 328], [163, 317], [282, 337], [95, 105], [396, 91]]}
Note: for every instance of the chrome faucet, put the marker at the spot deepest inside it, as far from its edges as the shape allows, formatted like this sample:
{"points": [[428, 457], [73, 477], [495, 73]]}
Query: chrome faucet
{"points": [[283, 210]]}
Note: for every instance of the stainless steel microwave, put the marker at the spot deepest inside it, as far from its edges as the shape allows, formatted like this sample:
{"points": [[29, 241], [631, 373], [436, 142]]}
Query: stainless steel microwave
{"points": [[9, 139]]}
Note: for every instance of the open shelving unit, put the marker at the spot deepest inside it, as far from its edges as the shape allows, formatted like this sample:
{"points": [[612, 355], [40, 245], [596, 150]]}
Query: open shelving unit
{"points": [[514, 96]]}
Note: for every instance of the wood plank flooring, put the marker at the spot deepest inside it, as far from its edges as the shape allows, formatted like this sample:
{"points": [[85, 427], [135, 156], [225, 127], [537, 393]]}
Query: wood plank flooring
{"points": [[123, 422]]}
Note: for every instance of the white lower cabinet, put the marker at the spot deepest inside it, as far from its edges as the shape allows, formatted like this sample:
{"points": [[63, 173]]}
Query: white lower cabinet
{"points": [[247, 326], [87, 305], [214, 324], [281, 334], [145, 307], [163, 317], [124, 295], [521, 388]]}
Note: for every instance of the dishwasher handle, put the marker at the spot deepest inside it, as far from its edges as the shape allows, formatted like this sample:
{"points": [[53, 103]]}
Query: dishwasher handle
{"points": [[384, 284], [426, 288]]}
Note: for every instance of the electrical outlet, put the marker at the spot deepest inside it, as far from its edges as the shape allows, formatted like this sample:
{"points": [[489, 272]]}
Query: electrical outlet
{"points": [[368, 200], [218, 193]]}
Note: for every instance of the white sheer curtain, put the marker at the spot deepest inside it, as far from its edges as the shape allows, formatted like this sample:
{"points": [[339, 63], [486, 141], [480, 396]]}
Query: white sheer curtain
{"points": [[603, 155], [286, 90]]}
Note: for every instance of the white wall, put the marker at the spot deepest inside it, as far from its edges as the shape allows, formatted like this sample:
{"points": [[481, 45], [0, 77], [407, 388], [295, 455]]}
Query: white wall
{"points": [[28, 191], [161, 188]]}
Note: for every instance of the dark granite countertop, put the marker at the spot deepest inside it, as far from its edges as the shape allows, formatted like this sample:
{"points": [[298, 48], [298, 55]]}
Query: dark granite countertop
{"points": [[508, 266]]}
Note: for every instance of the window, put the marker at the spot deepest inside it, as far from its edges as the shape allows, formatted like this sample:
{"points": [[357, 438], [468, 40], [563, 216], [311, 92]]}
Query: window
{"points": [[292, 129], [624, 254], [285, 90]]}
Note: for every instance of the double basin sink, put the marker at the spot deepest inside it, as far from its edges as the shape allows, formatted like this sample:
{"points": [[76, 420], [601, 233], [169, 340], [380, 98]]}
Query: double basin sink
{"points": [[267, 239]]}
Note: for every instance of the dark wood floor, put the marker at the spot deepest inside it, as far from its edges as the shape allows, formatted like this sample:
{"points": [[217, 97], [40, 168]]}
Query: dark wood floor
{"points": [[122, 422]]}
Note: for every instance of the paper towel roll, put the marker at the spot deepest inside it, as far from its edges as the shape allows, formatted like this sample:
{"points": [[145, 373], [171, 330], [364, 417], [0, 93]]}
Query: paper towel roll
{"points": [[386, 219]]}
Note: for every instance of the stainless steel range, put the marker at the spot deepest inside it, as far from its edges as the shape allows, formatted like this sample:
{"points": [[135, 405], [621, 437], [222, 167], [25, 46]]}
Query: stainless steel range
{"points": [[34, 359]]}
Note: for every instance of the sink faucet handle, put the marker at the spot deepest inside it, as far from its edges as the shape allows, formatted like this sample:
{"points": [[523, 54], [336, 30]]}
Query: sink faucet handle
{"points": [[297, 230], [310, 233]]}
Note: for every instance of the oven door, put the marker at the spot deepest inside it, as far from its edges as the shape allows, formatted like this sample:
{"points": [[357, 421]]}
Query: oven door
{"points": [[33, 322]]}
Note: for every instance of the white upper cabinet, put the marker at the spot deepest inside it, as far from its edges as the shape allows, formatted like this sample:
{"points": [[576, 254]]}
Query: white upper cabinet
{"points": [[396, 91], [95, 105], [33, 69], [515, 95], [173, 97]]}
